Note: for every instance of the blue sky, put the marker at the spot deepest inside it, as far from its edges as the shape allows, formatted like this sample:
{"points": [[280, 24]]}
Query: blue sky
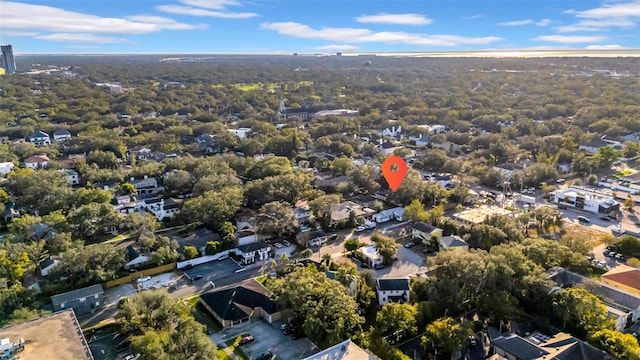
{"points": [[307, 26]]}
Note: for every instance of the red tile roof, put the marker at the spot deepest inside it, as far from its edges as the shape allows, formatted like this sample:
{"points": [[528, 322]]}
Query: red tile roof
{"points": [[629, 278]]}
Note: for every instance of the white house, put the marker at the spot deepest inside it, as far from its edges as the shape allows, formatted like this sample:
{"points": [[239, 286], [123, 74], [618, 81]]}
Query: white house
{"points": [[453, 242], [72, 176], [250, 253], [393, 132], [39, 138], [145, 185], [6, 167], [372, 256], [48, 264], [165, 209], [37, 161], [61, 135], [387, 215], [242, 133], [393, 290]]}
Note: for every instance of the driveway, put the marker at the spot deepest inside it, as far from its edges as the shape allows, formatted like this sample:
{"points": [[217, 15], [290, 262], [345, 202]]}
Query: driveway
{"points": [[268, 338]]}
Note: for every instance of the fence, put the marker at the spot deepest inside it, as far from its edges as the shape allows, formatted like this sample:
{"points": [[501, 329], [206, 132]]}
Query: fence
{"points": [[147, 272], [203, 259]]}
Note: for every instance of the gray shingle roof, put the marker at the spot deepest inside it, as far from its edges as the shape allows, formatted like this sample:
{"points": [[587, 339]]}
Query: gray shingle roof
{"points": [[519, 347], [238, 302], [424, 227], [393, 284], [77, 294]]}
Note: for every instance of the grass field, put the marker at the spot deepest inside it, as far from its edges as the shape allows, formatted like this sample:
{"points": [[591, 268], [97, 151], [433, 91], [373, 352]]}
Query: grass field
{"points": [[232, 345]]}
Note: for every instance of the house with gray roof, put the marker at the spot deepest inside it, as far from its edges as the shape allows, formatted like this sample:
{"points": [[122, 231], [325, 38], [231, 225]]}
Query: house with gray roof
{"points": [[234, 304], [453, 242], [538, 346], [39, 138], [82, 301], [393, 290]]}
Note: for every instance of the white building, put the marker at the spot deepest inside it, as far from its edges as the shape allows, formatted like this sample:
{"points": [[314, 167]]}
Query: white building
{"points": [[587, 200], [372, 256], [346, 350], [72, 176], [387, 215], [6, 167], [37, 161], [242, 133], [61, 135], [393, 290]]}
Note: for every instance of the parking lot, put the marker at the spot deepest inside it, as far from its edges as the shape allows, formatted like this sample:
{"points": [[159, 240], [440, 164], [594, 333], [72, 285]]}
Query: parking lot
{"points": [[268, 337]]}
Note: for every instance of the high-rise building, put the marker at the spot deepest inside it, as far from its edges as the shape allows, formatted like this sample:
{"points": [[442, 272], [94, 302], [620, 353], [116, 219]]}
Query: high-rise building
{"points": [[8, 62]]}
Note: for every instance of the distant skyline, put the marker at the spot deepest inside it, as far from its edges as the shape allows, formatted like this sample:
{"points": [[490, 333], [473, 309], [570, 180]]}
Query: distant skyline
{"points": [[324, 26]]}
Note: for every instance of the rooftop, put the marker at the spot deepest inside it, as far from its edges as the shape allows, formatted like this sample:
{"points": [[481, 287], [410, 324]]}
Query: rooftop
{"points": [[480, 214], [239, 301], [624, 275], [76, 294], [393, 284], [346, 350], [53, 337]]}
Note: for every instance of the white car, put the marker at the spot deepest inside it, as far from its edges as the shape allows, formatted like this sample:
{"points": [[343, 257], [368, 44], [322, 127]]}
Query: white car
{"points": [[370, 225], [278, 245], [143, 279], [286, 243], [361, 228]]}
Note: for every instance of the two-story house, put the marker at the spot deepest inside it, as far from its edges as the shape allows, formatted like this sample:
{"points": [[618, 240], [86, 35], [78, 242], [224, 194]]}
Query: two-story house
{"points": [[393, 290], [61, 135], [82, 301], [311, 238], [73, 178], [146, 185], [252, 252], [37, 161], [39, 138]]}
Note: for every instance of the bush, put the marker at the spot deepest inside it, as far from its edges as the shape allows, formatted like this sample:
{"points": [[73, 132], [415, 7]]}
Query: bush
{"points": [[190, 252], [352, 244], [213, 247]]}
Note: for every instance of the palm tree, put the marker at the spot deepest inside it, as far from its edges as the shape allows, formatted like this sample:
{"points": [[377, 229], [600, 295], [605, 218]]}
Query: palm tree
{"points": [[346, 275], [327, 260]]}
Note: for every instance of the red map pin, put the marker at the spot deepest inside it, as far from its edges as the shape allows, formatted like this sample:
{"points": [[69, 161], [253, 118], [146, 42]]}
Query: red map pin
{"points": [[394, 170]]}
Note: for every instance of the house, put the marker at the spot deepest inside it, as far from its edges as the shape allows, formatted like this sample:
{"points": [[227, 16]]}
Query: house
{"points": [[48, 264], [387, 148], [586, 199], [142, 153], [250, 253], [444, 180], [453, 242], [393, 132], [37, 161], [146, 185], [6, 167], [479, 214], [235, 304], [198, 239], [348, 113], [73, 178], [425, 232], [563, 168], [134, 258], [242, 133], [39, 138], [208, 144], [165, 209], [125, 204], [536, 346], [330, 183], [387, 215], [82, 301], [71, 160], [342, 211], [593, 146], [393, 290], [507, 170], [367, 201], [61, 135], [303, 214], [311, 238], [301, 114], [371, 256], [346, 350]]}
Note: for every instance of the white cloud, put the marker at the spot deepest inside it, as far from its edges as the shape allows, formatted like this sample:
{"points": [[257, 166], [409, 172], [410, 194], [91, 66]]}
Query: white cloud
{"points": [[516, 22], [338, 47], [544, 22], [568, 39], [473, 17], [82, 47], [616, 10], [396, 19], [605, 47], [211, 4], [18, 33], [75, 37], [351, 35], [596, 25], [15, 15], [188, 10], [166, 23]]}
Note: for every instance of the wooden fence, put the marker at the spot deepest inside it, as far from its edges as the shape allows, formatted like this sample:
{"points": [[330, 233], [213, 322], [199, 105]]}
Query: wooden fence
{"points": [[136, 275]]}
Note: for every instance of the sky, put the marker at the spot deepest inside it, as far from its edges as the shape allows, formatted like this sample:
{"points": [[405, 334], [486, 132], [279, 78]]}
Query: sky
{"points": [[315, 26]]}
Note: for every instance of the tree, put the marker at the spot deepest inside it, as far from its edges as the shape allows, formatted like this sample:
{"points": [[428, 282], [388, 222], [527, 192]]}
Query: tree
{"points": [[629, 203], [163, 328], [446, 335], [212, 208], [342, 166], [178, 182], [415, 211], [277, 218], [321, 207], [304, 254], [353, 244], [584, 311], [387, 247], [190, 252], [44, 191], [227, 232], [94, 218], [629, 245], [365, 178], [319, 306], [397, 321], [621, 346], [213, 247]]}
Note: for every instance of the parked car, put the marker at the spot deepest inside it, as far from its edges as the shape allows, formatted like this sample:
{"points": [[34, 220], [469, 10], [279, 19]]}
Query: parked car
{"points": [[605, 218], [143, 279], [370, 225], [360, 228], [472, 341], [285, 326], [197, 277], [379, 266], [583, 219], [602, 264], [266, 356], [333, 236], [560, 181], [245, 340], [288, 331], [286, 243], [278, 245], [409, 244]]}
